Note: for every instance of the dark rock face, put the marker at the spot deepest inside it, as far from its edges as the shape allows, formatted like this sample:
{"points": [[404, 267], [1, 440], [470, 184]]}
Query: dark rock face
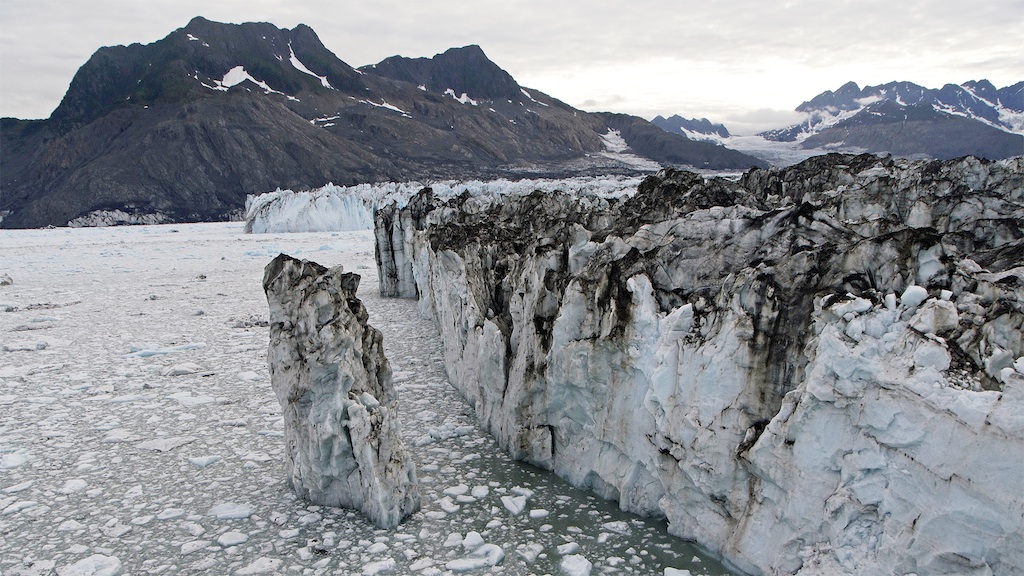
{"points": [[328, 370], [677, 124], [464, 70], [709, 351], [672, 149], [904, 119], [185, 128]]}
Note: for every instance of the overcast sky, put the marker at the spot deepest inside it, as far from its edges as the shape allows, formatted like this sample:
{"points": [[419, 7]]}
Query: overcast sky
{"points": [[747, 63]]}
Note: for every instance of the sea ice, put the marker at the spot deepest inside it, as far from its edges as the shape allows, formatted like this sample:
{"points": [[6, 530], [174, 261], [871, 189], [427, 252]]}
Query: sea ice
{"points": [[95, 565], [514, 504], [230, 511], [576, 565]]}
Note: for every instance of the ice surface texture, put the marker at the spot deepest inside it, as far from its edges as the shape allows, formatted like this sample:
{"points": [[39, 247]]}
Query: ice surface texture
{"points": [[328, 370], [736, 357]]}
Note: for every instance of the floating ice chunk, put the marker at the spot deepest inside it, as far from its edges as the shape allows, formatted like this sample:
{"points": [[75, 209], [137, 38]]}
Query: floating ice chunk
{"points": [[377, 548], [187, 399], [203, 461], [619, 527], [1018, 365], [170, 514], [25, 346], [448, 505], [530, 551], [378, 567], [148, 352], [473, 540], [8, 461], [538, 513], [181, 369], [19, 487], [483, 491], [232, 539], [193, 546], [231, 511], [166, 444], [576, 565], [456, 490], [421, 564], [524, 492], [514, 504], [70, 526], [262, 565], [95, 565], [569, 548], [249, 376], [454, 539], [116, 530], [18, 507], [676, 572], [913, 296], [118, 435], [483, 557]]}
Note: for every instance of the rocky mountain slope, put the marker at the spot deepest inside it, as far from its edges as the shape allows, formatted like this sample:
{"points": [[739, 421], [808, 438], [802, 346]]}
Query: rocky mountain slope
{"points": [[817, 369], [692, 128], [906, 119], [186, 127]]}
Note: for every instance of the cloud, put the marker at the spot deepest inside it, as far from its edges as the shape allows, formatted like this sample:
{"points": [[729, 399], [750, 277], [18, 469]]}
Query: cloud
{"points": [[755, 121]]}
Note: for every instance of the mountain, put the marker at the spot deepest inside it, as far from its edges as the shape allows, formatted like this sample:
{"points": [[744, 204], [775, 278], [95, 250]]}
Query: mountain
{"points": [[184, 128], [692, 128], [652, 142], [905, 119]]}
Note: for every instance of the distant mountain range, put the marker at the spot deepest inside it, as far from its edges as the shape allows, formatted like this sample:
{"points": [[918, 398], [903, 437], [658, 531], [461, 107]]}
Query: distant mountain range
{"points": [[692, 128], [184, 128], [898, 118], [906, 119]]}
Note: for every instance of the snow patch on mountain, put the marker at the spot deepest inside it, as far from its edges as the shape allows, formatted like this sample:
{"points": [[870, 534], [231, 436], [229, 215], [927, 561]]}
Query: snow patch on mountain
{"points": [[384, 104], [465, 99], [302, 67], [236, 76]]}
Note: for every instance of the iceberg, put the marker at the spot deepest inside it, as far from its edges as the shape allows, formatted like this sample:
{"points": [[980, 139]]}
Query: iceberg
{"points": [[329, 373]]}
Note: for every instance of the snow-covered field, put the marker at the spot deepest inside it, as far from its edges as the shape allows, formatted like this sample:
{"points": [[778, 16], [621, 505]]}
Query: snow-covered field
{"points": [[139, 433]]}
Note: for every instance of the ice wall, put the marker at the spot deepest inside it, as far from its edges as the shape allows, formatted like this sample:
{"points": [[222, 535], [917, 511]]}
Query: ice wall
{"points": [[328, 370], [816, 368], [337, 208]]}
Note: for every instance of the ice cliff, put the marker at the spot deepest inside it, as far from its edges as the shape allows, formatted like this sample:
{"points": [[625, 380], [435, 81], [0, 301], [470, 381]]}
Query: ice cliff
{"points": [[337, 208], [328, 371], [813, 369]]}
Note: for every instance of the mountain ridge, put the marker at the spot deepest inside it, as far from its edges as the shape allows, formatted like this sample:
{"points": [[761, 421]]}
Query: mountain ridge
{"points": [[186, 127], [903, 118]]}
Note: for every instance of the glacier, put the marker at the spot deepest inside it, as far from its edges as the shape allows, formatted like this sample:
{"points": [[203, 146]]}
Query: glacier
{"points": [[329, 373], [814, 369], [334, 208]]}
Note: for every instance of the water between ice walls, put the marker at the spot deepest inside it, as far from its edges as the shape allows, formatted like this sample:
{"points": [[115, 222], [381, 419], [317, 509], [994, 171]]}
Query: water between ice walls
{"points": [[815, 369]]}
